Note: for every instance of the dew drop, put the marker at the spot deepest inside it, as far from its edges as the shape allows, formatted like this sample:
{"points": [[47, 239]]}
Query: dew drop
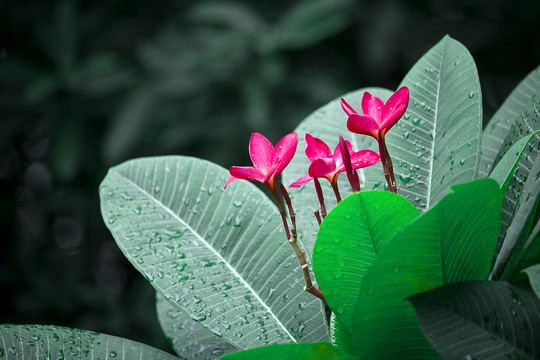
{"points": [[471, 94]]}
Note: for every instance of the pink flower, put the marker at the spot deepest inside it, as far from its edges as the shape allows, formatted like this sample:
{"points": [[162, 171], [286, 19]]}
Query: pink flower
{"points": [[268, 162], [377, 118], [328, 165]]}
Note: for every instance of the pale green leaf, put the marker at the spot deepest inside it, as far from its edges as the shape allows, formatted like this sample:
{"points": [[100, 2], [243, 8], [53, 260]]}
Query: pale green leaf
{"points": [[220, 255], [534, 277], [54, 342]]}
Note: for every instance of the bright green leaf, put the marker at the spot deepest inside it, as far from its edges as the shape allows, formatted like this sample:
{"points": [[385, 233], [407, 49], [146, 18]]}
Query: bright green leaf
{"points": [[349, 240], [54, 342], [339, 336], [312, 351], [437, 143], [534, 277], [480, 320], [499, 126], [189, 339], [220, 255], [453, 241]]}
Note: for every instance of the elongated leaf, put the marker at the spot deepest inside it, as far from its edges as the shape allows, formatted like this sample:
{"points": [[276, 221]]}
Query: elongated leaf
{"points": [[437, 143], [349, 240], [480, 320], [534, 277], [499, 126], [312, 351], [523, 258], [54, 342], [521, 198], [327, 123], [189, 339], [339, 336], [220, 255], [504, 171], [454, 241]]}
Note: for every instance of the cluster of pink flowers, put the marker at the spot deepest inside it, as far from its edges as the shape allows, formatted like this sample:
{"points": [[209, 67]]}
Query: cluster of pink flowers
{"points": [[376, 120]]}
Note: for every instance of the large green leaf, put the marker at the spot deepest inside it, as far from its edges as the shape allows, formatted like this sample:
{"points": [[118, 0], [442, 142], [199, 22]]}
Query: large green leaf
{"points": [[189, 339], [339, 336], [481, 320], [327, 123], [437, 143], [523, 258], [312, 351], [499, 126], [454, 241], [220, 255], [54, 342], [349, 240], [534, 276], [520, 202]]}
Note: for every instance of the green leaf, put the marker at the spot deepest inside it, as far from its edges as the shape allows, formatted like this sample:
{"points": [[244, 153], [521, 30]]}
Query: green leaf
{"points": [[220, 255], [312, 351], [480, 320], [349, 240], [521, 198], [54, 342], [533, 273], [189, 339], [523, 258], [499, 126], [231, 15], [339, 336], [437, 143], [327, 123], [504, 171], [453, 241]]}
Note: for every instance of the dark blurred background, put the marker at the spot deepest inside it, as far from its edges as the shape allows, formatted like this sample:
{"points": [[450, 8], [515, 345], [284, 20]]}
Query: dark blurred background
{"points": [[85, 85]]}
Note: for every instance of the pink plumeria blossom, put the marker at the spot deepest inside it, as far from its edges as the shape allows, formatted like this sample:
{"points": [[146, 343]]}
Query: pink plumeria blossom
{"points": [[328, 165], [268, 162], [377, 117]]}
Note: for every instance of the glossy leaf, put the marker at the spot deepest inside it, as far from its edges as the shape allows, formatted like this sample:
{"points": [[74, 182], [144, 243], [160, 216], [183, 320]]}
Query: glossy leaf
{"points": [[521, 198], [189, 338], [454, 241], [54, 342], [339, 336], [480, 320], [349, 240], [327, 123], [499, 125], [437, 143], [523, 258], [312, 351], [220, 255], [534, 277]]}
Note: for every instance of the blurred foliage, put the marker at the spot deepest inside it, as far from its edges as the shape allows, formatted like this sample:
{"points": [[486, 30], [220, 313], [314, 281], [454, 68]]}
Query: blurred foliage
{"points": [[87, 84]]}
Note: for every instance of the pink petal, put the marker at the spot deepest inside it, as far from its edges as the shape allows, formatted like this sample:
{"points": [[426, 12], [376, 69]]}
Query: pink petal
{"points": [[230, 180], [395, 108], [246, 173], [363, 124], [338, 159], [260, 151], [322, 168], [303, 180], [347, 108], [372, 106], [316, 148], [364, 158], [284, 152]]}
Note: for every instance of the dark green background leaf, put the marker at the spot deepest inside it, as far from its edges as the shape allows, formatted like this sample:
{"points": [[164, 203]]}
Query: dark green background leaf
{"points": [[534, 276], [312, 351]]}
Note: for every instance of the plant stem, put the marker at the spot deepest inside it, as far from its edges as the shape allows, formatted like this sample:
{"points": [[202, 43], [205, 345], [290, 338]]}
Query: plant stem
{"points": [[382, 153], [390, 167], [336, 190], [320, 196], [318, 217]]}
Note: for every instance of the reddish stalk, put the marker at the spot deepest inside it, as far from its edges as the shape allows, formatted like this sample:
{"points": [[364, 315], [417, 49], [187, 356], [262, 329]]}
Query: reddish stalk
{"points": [[390, 167], [320, 196]]}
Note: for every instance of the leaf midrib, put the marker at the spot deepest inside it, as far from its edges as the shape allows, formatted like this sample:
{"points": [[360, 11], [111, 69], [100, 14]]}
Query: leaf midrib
{"points": [[218, 255]]}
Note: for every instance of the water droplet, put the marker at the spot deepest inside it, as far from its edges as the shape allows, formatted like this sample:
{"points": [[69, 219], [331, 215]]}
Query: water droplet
{"points": [[237, 203], [405, 179], [113, 354], [416, 121], [338, 275], [157, 189], [348, 217], [471, 94], [461, 162]]}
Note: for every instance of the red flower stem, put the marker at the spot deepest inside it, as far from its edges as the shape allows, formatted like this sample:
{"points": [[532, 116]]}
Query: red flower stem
{"points": [[390, 167], [281, 212], [301, 255], [336, 191], [320, 196], [318, 217]]}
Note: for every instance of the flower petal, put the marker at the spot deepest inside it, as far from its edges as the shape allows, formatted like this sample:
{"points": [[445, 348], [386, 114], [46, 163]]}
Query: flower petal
{"points": [[372, 106], [338, 159], [316, 148], [395, 108], [303, 180], [246, 173], [363, 124], [364, 158], [230, 180], [322, 168], [260, 151], [284, 152], [347, 108]]}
